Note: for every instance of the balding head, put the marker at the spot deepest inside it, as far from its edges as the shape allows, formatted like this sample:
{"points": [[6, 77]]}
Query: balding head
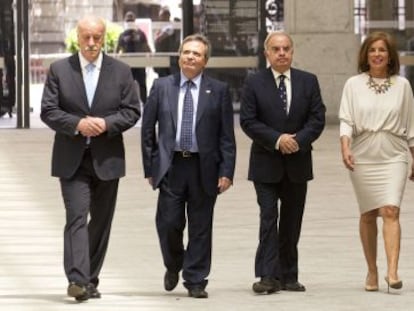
{"points": [[91, 36], [91, 21]]}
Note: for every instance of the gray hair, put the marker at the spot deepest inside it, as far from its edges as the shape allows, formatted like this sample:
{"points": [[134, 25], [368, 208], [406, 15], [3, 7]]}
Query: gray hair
{"points": [[274, 34], [197, 37]]}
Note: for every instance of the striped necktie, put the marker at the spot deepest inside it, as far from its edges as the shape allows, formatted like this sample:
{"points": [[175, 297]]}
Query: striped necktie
{"points": [[282, 92], [186, 137]]}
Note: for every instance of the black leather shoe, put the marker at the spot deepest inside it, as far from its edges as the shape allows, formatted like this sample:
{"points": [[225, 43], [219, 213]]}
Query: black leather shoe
{"points": [[93, 291], [266, 285], [294, 287], [78, 291], [170, 280], [197, 292]]}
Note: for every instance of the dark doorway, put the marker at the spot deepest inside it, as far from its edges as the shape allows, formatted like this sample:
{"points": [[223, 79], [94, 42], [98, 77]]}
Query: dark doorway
{"points": [[7, 52]]}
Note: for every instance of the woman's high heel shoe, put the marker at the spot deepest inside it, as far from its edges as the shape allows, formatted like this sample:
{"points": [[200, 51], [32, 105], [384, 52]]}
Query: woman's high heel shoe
{"points": [[370, 288], [395, 284]]}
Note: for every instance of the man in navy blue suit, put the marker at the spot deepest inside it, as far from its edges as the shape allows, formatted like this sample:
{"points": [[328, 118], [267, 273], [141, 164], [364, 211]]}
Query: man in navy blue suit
{"points": [[283, 113], [191, 160]]}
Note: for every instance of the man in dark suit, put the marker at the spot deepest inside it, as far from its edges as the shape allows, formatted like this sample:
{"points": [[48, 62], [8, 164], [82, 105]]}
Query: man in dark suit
{"points": [[190, 160], [283, 113], [89, 99]]}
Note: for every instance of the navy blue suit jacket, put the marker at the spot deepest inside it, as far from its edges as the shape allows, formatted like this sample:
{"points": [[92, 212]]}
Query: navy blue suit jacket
{"points": [[263, 119], [214, 130]]}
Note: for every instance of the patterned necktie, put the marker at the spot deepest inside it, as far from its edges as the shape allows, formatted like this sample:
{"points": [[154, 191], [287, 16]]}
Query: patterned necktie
{"points": [[186, 137], [282, 92], [90, 82]]}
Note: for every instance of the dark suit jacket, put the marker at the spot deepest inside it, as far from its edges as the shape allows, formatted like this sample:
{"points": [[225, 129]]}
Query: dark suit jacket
{"points": [[214, 130], [263, 119], [64, 103]]}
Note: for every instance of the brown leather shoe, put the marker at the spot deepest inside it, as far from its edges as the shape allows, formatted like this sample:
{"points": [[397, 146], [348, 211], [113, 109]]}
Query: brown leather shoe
{"points": [[170, 280], [197, 292], [294, 287], [78, 291], [266, 285], [93, 291]]}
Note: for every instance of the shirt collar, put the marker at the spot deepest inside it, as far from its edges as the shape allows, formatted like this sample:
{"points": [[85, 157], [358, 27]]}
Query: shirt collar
{"points": [[97, 62], [277, 74], [196, 80]]}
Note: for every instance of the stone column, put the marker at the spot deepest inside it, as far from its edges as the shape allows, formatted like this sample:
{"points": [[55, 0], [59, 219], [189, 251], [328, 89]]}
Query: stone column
{"points": [[324, 43]]}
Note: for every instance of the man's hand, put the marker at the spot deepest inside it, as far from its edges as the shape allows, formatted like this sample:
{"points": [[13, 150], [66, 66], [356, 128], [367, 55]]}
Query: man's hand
{"points": [[150, 181], [288, 144], [91, 126], [223, 184]]}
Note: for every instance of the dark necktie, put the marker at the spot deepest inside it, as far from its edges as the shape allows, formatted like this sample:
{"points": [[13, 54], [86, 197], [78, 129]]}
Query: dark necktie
{"points": [[282, 92], [186, 138]]}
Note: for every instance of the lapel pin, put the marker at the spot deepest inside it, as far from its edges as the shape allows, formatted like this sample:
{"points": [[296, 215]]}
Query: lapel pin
{"points": [[208, 91]]}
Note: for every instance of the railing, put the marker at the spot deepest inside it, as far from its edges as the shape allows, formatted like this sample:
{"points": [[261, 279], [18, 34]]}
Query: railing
{"points": [[407, 58], [39, 64]]}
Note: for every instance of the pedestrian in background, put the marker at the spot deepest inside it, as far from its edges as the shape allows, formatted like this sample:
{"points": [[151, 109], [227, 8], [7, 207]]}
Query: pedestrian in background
{"points": [[134, 40]]}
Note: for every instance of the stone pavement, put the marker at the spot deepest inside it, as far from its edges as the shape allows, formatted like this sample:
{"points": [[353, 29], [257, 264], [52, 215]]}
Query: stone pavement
{"points": [[331, 261]]}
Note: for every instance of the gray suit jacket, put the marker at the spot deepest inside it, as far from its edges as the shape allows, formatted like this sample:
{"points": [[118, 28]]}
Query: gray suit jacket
{"points": [[214, 130], [64, 103]]}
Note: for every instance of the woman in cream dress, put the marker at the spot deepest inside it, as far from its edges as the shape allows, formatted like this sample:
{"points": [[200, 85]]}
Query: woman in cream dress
{"points": [[377, 137]]}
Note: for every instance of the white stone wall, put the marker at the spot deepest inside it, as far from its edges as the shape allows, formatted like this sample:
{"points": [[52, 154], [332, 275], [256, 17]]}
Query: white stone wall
{"points": [[77, 8], [51, 20], [325, 44]]}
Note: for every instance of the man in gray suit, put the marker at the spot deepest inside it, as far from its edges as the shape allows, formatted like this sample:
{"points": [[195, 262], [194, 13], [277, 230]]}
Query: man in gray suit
{"points": [[191, 159], [89, 99]]}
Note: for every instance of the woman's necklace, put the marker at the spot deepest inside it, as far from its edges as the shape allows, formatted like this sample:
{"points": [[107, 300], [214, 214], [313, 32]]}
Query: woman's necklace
{"points": [[379, 88]]}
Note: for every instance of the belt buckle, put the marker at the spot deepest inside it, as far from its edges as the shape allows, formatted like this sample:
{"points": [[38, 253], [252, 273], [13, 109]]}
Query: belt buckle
{"points": [[186, 154]]}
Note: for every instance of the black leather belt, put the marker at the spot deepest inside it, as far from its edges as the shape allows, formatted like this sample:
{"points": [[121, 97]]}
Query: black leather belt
{"points": [[186, 154]]}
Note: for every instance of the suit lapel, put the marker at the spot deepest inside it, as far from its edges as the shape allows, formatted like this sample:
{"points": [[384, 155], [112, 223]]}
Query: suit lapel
{"points": [[78, 78], [103, 80], [172, 97], [203, 96], [294, 83], [272, 93]]}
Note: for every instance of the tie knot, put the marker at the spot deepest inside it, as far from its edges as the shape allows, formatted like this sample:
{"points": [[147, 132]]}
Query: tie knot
{"points": [[282, 78], [189, 84], [90, 67]]}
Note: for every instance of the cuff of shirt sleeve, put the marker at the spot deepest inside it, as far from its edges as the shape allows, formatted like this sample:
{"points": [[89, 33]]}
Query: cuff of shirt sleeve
{"points": [[277, 144], [345, 129]]}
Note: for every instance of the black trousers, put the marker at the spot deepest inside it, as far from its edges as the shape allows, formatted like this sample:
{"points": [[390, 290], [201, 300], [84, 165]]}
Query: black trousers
{"points": [[85, 243], [182, 198], [140, 76], [277, 254]]}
